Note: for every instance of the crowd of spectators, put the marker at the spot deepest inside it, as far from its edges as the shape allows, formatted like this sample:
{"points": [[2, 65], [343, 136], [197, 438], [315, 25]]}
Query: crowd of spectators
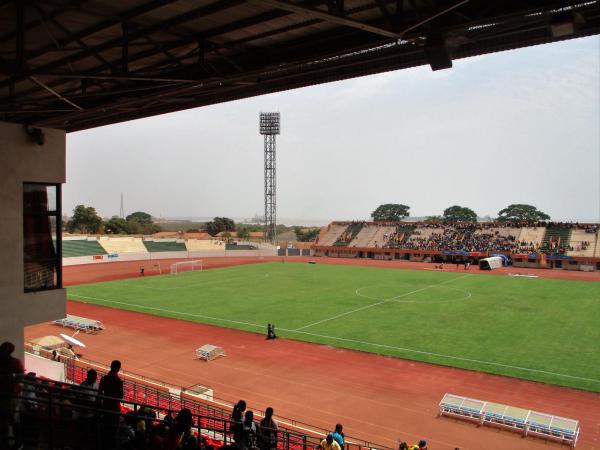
{"points": [[35, 411], [467, 237], [484, 237]]}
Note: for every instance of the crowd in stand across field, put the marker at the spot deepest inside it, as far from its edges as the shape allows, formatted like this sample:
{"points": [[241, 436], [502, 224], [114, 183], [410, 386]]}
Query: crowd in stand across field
{"points": [[484, 237], [35, 412], [463, 237]]}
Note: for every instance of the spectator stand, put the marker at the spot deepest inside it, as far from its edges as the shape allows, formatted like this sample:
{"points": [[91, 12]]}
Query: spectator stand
{"points": [[208, 352], [215, 412], [524, 421], [80, 324], [212, 415]]}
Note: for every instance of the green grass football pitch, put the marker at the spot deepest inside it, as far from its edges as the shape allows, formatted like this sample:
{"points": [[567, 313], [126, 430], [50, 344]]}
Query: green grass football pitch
{"points": [[537, 329]]}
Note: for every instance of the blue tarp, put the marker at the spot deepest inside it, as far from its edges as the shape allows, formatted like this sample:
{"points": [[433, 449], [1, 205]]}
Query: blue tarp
{"points": [[456, 252], [559, 257]]}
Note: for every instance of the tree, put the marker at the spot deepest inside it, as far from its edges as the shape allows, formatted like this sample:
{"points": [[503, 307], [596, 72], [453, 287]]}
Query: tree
{"points": [[390, 212], [140, 217], [243, 233], [308, 235], [141, 222], [117, 225], [520, 212], [219, 224], [459, 214], [84, 220], [212, 228], [224, 223]]}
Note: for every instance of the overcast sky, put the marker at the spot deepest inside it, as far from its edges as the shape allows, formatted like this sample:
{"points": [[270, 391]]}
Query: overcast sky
{"points": [[514, 127]]}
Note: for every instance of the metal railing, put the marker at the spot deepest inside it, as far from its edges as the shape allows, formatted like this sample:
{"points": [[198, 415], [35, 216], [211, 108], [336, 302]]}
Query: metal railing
{"points": [[50, 414], [159, 395]]}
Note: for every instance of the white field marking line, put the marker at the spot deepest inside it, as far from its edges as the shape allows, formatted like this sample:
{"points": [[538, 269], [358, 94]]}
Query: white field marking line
{"points": [[149, 281], [206, 283], [362, 308], [466, 297], [459, 358], [170, 311]]}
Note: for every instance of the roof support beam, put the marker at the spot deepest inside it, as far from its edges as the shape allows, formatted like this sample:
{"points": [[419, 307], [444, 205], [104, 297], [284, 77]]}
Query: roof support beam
{"points": [[434, 16], [135, 34], [118, 77], [313, 13], [56, 94], [49, 16], [125, 48], [20, 38]]}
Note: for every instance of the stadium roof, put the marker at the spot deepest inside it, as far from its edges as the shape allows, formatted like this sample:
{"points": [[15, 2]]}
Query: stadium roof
{"points": [[76, 64]]}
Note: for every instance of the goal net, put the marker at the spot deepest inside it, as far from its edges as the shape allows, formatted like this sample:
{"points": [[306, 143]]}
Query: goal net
{"points": [[186, 266]]}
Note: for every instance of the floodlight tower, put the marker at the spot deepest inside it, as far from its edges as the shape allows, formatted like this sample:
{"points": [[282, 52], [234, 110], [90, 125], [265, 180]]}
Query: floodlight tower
{"points": [[269, 128]]}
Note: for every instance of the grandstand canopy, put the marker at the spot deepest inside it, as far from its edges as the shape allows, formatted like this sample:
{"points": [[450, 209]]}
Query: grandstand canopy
{"points": [[76, 64]]}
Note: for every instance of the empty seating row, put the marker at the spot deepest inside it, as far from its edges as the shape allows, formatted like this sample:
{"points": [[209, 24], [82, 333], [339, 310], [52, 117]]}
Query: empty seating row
{"points": [[122, 244], [164, 245], [81, 247]]}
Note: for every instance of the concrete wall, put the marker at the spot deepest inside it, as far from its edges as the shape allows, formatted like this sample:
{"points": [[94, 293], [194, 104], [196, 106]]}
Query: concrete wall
{"points": [[147, 256], [23, 160]]}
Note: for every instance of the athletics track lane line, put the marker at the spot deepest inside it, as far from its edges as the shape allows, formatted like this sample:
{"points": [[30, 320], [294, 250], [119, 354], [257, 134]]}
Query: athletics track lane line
{"points": [[362, 308]]}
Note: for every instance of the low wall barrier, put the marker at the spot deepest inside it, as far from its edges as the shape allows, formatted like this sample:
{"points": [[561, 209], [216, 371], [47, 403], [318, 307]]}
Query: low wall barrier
{"points": [[148, 256]]}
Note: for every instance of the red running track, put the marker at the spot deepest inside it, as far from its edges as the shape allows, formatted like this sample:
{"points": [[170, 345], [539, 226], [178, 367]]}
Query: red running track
{"points": [[378, 399]]}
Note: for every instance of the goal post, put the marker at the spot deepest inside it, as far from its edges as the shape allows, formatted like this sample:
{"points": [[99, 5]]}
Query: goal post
{"points": [[186, 266]]}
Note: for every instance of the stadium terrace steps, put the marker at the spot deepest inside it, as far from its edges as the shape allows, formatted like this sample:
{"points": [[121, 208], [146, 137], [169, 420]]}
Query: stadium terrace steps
{"points": [[535, 235], [122, 244], [201, 245], [364, 236], [577, 239], [164, 245], [379, 238], [81, 247], [425, 233], [558, 236], [502, 231], [349, 234], [332, 234]]}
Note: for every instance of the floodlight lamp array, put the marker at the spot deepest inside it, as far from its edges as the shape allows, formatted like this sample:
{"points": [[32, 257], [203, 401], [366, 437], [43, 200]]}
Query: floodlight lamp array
{"points": [[269, 123]]}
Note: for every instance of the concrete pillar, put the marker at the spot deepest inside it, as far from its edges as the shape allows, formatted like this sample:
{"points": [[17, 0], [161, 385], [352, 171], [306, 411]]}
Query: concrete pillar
{"points": [[23, 160]]}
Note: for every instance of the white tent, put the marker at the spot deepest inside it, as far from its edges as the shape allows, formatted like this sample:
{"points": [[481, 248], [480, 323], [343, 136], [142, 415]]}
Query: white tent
{"points": [[493, 262]]}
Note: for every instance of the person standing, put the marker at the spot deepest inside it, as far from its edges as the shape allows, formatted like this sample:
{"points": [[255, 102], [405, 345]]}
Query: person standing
{"points": [[268, 431], [11, 374], [110, 394], [237, 418], [329, 444], [248, 432], [338, 435]]}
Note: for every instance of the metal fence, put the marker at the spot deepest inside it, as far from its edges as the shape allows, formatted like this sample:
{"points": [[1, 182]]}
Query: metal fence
{"points": [[140, 390]]}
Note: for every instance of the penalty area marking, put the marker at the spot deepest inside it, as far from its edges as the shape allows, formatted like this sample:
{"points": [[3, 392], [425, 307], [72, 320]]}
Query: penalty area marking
{"points": [[355, 341]]}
